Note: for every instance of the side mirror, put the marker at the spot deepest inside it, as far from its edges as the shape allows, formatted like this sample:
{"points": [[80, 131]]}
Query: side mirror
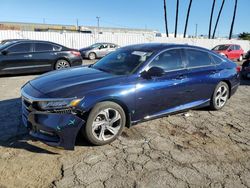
{"points": [[153, 72], [229, 50], [5, 52]]}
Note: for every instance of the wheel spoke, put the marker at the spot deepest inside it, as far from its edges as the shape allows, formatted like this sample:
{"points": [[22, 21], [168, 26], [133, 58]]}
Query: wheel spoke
{"points": [[101, 135], [223, 99], [113, 130], [96, 124], [116, 117]]}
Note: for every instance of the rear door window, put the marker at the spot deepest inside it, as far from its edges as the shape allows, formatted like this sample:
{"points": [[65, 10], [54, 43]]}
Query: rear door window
{"points": [[169, 60], [20, 48], [44, 47], [197, 58]]}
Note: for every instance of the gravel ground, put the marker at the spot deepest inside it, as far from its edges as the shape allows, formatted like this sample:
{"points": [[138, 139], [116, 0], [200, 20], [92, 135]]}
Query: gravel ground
{"points": [[200, 148]]}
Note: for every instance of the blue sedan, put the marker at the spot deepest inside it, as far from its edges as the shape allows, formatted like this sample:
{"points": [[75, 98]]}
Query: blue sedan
{"points": [[133, 84]]}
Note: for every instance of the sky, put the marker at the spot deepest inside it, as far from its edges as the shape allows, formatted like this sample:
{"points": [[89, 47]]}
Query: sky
{"points": [[127, 13]]}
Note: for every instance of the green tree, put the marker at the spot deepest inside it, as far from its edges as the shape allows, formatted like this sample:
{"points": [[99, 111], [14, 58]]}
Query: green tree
{"points": [[244, 36]]}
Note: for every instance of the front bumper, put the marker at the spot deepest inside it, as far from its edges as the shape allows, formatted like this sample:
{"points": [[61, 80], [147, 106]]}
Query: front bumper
{"points": [[55, 129]]}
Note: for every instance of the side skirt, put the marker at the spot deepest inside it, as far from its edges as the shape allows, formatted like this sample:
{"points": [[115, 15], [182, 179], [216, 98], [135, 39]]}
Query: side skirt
{"points": [[175, 110]]}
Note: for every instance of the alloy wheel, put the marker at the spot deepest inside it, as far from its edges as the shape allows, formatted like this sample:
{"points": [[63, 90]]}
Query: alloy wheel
{"points": [[221, 96], [107, 124], [62, 64]]}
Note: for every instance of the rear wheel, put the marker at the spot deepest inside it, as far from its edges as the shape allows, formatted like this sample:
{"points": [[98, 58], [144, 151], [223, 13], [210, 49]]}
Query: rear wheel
{"points": [[240, 58], [105, 123], [62, 64], [220, 96]]}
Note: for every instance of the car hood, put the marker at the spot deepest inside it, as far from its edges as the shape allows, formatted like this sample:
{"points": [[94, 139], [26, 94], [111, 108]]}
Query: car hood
{"points": [[74, 82]]}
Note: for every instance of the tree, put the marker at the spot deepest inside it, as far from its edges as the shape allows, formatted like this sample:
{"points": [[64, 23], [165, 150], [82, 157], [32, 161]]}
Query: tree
{"points": [[176, 18], [218, 18], [232, 25], [211, 19], [165, 17], [187, 18], [244, 36]]}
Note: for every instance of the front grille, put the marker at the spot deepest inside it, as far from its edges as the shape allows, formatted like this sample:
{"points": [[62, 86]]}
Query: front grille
{"points": [[61, 111]]}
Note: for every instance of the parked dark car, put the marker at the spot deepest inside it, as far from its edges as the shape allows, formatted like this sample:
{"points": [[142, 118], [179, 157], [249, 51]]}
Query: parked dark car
{"points": [[98, 50], [245, 71], [28, 56], [131, 85]]}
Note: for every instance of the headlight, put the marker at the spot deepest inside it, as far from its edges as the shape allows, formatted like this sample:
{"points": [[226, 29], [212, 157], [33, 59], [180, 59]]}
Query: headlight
{"points": [[58, 104]]}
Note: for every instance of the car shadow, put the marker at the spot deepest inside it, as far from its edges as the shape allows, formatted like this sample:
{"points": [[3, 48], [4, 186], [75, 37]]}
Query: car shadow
{"points": [[12, 132]]}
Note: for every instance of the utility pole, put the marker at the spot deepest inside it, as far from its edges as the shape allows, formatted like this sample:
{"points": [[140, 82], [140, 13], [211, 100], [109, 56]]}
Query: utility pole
{"points": [[43, 20], [196, 30], [98, 26], [176, 18], [77, 25]]}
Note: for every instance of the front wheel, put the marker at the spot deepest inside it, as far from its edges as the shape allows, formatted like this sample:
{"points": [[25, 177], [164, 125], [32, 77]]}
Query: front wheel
{"points": [[105, 123], [220, 96], [92, 56]]}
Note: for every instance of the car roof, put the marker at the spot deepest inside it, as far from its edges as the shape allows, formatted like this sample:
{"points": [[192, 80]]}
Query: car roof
{"points": [[16, 41], [161, 46]]}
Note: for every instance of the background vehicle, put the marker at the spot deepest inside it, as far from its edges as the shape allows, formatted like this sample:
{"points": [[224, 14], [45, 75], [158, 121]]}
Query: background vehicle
{"points": [[133, 84], [98, 50], [26, 56], [245, 71], [230, 51]]}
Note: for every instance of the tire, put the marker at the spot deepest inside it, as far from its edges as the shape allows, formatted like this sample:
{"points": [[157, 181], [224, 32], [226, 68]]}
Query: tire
{"points": [[240, 58], [61, 64], [104, 124], [220, 96], [92, 56]]}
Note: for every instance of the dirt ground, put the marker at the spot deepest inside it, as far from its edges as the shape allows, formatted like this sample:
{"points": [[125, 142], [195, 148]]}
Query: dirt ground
{"points": [[200, 148]]}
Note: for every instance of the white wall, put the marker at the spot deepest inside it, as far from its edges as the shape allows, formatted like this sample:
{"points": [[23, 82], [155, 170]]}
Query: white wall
{"points": [[80, 40]]}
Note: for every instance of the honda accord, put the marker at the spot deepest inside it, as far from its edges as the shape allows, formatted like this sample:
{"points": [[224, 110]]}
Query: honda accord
{"points": [[133, 84]]}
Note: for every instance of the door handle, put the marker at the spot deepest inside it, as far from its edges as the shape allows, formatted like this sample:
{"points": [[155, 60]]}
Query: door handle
{"points": [[180, 77], [27, 55], [215, 71]]}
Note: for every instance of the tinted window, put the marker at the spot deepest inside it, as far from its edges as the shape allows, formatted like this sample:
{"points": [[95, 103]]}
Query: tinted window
{"points": [[103, 46], [41, 47], [221, 47], [20, 48], [237, 47], [169, 60], [112, 45], [198, 58]]}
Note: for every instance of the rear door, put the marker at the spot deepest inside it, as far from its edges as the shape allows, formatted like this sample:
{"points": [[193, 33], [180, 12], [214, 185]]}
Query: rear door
{"points": [[45, 55], [202, 73], [18, 59]]}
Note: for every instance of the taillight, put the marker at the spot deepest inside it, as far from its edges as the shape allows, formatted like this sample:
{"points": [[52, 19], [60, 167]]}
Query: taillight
{"points": [[76, 53], [238, 68]]}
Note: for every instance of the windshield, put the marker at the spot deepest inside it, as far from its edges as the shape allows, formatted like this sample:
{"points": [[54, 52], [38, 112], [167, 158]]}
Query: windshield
{"points": [[95, 45], [4, 44], [221, 47], [123, 61]]}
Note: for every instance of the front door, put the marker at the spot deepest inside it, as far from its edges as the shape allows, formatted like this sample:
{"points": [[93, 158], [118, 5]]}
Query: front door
{"points": [[18, 58], [160, 95]]}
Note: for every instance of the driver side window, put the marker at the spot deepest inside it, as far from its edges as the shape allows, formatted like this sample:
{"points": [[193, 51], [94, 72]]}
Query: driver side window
{"points": [[169, 60], [103, 46]]}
